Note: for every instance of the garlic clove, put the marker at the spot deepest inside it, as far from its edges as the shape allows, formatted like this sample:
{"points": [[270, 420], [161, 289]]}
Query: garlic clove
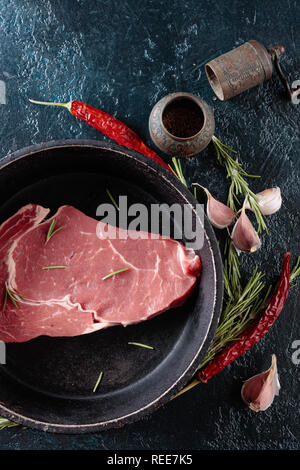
{"points": [[259, 391], [269, 201], [220, 215], [244, 236]]}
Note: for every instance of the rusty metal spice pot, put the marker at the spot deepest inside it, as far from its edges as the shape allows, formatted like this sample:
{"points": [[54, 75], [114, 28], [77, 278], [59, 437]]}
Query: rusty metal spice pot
{"points": [[196, 120]]}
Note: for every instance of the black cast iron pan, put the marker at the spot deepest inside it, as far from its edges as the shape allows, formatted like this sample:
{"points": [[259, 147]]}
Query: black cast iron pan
{"points": [[47, 383]]}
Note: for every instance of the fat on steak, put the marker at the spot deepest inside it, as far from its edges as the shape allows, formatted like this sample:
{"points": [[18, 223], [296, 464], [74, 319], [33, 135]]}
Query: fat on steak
{"points": [[74, 300]]}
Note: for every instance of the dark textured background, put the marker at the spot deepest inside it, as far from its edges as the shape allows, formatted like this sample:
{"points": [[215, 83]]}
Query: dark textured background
{"points": [[123, 56]]}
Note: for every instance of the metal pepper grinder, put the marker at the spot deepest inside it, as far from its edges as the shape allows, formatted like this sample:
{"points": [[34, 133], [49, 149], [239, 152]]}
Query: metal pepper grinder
{"points": [[245, 67]]}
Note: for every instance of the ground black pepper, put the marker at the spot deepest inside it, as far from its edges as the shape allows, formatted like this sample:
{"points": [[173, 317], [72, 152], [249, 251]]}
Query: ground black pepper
{"points": [[183, 118]]}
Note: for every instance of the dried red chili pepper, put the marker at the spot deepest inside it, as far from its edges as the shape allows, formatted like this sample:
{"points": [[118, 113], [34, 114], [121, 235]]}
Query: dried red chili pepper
{"points": [[108, 125], [255, 331]]}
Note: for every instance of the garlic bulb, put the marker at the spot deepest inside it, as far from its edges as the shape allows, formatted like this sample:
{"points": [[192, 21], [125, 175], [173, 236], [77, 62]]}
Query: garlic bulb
{"points": [[220, 215], [268, 200], [244, 236], [259, 391]]}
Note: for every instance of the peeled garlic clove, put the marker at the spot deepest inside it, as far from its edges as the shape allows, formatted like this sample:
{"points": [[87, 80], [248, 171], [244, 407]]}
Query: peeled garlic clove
{"points": [[259, 391], [244, 236], [269, 200], [220, 215]]}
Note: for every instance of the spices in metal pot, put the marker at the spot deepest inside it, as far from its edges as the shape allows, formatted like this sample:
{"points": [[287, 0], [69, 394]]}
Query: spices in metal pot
{"points": [[183, 118]]}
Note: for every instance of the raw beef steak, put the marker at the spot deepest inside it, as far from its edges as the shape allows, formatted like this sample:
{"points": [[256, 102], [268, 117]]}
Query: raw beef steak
{"points": [[74, 297]]}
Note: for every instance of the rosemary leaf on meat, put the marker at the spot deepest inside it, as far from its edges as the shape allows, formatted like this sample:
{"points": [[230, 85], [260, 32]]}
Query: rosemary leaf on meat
{"points": [[141, 345], [13, 296], [54, 267], [98, 382], [52, 230], [114, 273]]}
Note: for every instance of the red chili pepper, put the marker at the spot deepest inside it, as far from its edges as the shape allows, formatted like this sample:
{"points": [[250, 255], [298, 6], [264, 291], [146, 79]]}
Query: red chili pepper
{"points": [[255, 331], [110, 126]]}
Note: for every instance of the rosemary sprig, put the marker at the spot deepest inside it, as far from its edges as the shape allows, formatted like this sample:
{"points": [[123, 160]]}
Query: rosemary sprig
{"points": [[112, 199], [232, 275], [242, 304], [114, 273], [295, 271], [177, 170], [98, 382], [231, 331], [52, 230], [141, 345], [54, 267], [13, 296], [5, 423], [238, 312], [238, 184]]}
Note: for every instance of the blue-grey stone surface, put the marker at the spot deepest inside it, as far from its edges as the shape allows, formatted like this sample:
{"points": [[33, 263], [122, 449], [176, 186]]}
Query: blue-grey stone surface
{"points": [[123, 56]]}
